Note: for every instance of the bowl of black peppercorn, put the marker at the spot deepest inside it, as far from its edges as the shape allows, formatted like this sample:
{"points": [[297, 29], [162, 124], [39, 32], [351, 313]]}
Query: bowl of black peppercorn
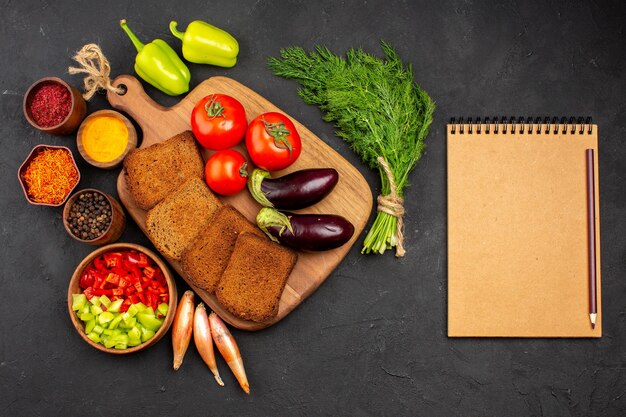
{"points": [[93, 217]]}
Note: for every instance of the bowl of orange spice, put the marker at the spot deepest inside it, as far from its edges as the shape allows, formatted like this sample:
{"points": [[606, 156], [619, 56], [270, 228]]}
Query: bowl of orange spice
{"points": [[105, 137], [48, 175]]}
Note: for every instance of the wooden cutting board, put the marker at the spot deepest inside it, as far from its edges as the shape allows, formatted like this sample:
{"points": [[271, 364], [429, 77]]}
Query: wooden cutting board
{"points": [[351, 198]]}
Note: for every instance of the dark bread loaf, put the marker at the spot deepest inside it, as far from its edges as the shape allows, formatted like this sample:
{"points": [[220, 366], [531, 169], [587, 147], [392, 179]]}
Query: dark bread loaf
{"points": [[155, 172], [206, 258], [255, 278], [176, 221]]}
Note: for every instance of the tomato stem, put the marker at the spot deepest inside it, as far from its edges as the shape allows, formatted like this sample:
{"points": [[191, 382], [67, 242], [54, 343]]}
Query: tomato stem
{"points": [[214, 108], [243, 170], [279, 132]]}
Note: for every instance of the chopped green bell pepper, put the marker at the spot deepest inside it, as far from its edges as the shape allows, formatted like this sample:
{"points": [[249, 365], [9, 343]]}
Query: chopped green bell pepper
{"points": [[105, 317], [134, 337], [95, 300], [206, 44], [94, 337], [114, 307], [146, 334], [149, 322], [163, 308], [132, 310], [115, 322], [95, 310], [89, 326], [158, 64], [105, 300], [86, 316], [78, 301]]}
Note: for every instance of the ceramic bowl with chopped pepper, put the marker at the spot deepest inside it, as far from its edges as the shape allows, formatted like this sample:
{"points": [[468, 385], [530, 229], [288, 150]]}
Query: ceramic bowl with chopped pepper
{"points": [[122, 298]]}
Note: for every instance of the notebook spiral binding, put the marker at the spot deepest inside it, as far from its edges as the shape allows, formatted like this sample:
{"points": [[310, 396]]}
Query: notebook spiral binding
{"points": [[521, 125]]}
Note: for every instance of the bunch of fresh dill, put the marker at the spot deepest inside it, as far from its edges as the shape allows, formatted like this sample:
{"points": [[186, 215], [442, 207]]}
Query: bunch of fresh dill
{"points": [[378, 109]]}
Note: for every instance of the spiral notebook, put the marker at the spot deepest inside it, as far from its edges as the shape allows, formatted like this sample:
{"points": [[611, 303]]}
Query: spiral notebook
{"points": [[518, 229]]}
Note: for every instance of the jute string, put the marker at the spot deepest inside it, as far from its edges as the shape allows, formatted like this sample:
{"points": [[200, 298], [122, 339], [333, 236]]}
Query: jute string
{"points": [[393, 205], [96, 66]]}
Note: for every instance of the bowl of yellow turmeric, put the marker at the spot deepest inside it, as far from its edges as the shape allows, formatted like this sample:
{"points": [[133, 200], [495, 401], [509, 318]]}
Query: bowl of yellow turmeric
{"points": [[105, 137]]}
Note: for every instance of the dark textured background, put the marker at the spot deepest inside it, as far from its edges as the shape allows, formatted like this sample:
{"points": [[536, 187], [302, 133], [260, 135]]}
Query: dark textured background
{"points": [[372, 340]]}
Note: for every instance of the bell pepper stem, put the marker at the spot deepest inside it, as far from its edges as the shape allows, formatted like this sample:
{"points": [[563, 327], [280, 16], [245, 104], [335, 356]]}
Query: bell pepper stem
{"points": [[131, 35], [176, 32]]}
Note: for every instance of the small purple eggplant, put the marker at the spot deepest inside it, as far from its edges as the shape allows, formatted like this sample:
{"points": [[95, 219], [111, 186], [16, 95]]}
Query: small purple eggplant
{"points": [[293, 191], [309, 232]]}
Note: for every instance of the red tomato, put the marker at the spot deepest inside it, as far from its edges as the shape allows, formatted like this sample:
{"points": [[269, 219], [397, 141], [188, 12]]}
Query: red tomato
{"points": [[226, 172], [219, 122], [273, 142]]}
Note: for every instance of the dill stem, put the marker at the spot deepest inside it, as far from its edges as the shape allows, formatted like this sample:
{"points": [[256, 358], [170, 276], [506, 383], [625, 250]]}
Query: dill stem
{"points": [[381, 235]]}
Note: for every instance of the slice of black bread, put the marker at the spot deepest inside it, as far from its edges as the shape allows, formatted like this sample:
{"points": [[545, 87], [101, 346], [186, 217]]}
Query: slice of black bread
{"points": [[176, 221], [255, 278], [206, 258], [155, 172]]}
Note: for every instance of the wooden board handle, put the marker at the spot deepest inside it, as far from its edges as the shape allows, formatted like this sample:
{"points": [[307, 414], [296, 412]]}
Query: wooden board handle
{"points": [[146, 112], [135, 101]]}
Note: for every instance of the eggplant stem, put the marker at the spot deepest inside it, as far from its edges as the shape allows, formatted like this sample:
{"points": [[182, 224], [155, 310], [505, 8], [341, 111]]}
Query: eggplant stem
{"points": [[270, 217], [254, 185]]}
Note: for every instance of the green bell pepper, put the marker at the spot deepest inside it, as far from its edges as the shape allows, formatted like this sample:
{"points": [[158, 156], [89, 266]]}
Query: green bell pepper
{"points": [[158, 64], [206, 44]]}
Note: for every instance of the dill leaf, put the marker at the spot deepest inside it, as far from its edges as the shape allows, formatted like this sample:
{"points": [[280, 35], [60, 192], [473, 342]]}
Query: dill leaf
{"points": [[375, 106]]}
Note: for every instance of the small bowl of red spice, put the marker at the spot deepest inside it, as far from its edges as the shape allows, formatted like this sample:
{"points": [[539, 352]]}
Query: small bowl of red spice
{"points": [[48, 175], [53, 106]]}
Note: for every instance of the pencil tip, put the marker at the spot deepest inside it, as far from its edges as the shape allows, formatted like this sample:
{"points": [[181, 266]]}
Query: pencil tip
{"points": [[592, 318], [593, 325]]}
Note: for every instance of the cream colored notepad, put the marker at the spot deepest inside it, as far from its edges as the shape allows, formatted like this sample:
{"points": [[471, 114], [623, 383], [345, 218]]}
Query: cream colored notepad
{"points": [[517, 231]]}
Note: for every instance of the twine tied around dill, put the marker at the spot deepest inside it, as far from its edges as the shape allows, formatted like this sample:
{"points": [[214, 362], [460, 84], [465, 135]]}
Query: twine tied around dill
{"points": [[93, 63], [393, 205]]}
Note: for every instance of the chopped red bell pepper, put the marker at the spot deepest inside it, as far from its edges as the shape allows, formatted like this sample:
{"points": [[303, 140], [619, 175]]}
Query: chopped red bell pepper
{"points": [[149, 272], [99, 264], [113, 279], [123, 282], [86, 280], [132, 257], [129, 275], [135, 273], [143, 260], [88, 292], [113, 259], [125, 305]]}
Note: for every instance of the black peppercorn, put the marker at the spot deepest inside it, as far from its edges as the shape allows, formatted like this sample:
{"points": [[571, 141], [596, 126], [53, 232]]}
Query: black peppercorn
{"points": [[90, 216]]}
